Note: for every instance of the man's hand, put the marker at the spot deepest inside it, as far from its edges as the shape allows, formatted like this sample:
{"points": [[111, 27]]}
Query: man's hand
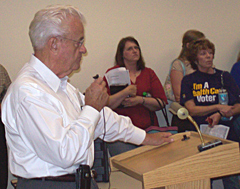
{"points": [[96, 94], [157, 138]]}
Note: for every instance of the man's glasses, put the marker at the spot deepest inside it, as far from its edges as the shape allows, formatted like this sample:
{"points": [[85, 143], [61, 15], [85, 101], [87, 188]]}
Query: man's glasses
{"points": [[77, 43]]}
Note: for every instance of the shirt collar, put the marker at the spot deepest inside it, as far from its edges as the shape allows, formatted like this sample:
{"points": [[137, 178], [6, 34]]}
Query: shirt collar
{"points": [[47, 75]]}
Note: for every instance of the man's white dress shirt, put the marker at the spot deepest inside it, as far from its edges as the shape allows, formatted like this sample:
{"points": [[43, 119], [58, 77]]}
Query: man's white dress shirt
{"points": [[49, 129]]}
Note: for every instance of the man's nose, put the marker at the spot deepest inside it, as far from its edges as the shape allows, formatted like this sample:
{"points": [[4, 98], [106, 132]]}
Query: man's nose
{"points": [[83, 49]]}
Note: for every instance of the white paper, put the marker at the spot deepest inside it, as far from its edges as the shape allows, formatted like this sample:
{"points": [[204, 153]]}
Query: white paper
{"points": [[118, 76], [220, 131]]}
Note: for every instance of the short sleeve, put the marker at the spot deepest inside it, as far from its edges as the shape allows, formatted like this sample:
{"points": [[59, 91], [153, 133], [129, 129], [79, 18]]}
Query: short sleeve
{"points": [[186, 90], [176, 65]]}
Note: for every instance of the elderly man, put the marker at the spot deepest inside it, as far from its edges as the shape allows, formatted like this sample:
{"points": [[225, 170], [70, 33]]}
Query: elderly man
{"points": [[50, 126]]}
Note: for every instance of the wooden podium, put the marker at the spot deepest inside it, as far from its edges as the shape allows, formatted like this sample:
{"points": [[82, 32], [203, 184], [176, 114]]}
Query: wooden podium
{"points": [[179, 165]]}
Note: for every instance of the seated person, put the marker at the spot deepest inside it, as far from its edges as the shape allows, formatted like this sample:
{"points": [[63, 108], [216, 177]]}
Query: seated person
{"points": [[179, 68], [5, 81], [143, 79], [199, 93], [235, 71]]}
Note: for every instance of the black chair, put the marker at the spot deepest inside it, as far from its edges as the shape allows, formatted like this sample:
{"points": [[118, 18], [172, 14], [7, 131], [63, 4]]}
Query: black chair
{"points": [[101, 164]]}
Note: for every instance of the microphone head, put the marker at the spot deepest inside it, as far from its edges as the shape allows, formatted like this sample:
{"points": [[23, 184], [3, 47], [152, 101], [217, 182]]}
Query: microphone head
{"points": [[182, 113]]}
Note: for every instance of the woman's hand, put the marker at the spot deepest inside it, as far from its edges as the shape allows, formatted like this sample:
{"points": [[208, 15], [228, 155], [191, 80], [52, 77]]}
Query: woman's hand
{"points": [[132, 101], [131, 90], [214, 119], [119, 97]]}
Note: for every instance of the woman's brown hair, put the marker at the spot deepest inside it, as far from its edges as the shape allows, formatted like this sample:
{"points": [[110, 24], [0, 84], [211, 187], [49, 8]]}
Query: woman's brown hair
{"points": [[119, 54], [195, 47]]}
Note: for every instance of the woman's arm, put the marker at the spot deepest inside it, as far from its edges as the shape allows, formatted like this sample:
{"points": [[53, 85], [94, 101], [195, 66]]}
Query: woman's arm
{"points": [[205, 110], [148, 102], [233, 111], [152, 104], [176, 78], [116, 99]]}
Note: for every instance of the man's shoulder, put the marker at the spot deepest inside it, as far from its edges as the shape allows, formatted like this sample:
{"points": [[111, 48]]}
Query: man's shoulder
{"points": [[26, 81], [26, 74]]}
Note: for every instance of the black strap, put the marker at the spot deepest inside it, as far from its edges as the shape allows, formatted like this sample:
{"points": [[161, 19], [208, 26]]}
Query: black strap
{"points": [[164, 111], [222, 82]]}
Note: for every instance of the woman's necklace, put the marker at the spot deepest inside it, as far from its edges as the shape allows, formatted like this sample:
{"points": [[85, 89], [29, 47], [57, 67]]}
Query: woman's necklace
{"points": [[137, 73], [134, 76]]}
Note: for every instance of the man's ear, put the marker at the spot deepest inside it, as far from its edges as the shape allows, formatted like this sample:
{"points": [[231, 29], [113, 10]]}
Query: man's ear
{"points": [[53, 44]]}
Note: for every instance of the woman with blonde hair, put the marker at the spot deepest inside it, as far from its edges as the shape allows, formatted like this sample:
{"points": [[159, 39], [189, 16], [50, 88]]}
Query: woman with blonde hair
{"points": [[178, 69]]}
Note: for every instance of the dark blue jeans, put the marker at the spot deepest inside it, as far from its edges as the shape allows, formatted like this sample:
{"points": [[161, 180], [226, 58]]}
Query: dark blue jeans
{"points": [[231, 182]]}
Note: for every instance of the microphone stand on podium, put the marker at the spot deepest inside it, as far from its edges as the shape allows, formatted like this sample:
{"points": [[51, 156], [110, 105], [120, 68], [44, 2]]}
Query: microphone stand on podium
{"points": [[182, 113], [180, 164]]}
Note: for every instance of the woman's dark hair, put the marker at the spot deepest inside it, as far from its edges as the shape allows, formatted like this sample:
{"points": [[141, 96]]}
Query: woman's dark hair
{"points": [[119, 54], [188, 37], [195, 47]]}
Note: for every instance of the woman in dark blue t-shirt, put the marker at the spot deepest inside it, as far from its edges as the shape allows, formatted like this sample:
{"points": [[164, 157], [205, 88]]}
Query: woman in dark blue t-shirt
{"points": [[199, 94]]}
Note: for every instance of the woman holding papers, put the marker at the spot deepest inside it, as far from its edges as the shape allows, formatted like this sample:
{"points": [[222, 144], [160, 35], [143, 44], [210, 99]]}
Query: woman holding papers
{"points": [[136, 100], [200, 93]]}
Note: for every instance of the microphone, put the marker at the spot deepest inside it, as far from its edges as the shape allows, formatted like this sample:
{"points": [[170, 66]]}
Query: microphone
{"points": [[96, 76], [182, 113]]}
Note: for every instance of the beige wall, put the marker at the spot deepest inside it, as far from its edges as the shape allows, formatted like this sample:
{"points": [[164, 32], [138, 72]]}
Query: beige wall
{"points": [[158, 25]]}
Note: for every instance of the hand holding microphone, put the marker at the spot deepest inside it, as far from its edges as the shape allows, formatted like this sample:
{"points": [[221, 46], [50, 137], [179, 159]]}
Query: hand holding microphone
{"points": [[96, 94]]}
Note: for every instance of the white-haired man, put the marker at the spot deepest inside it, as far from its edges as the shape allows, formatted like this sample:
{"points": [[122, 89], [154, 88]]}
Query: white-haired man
{"points": [[50, 126]]}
